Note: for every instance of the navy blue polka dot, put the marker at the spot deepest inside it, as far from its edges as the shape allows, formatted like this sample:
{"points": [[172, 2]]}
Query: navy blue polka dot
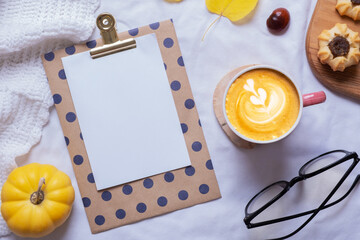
{"points": [[209, 164], [204, 188], [171, 20], [49, 56], [106, 196], [183, 195], [78, 159], [120, 214], [189, 103], [127, 189], [168, 42], [67, 141], [148, 183], [154, 26], [141, 207], [165, 66], [184, 127], [133, 32], [90, 178], [57, 98], [196, 146], [70, 117], [190, 171], [99, 220], [175, 85], [70, 50], [162, 201], [81, 137], [169, 177], [199, 123], [86, 201], [91, 44], [180, 61], [62, 74]]}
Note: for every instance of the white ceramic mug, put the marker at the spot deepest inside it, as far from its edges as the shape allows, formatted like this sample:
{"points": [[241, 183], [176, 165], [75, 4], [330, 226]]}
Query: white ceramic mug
{"points": [[305, 100]]}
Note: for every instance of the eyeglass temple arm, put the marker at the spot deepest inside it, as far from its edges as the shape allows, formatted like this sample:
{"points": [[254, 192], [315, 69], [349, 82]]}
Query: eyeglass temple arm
{"points": [[277, 220]]}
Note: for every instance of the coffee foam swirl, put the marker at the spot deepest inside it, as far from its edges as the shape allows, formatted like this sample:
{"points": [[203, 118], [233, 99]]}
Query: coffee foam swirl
{"points": [[262, 104], [256, 108]]}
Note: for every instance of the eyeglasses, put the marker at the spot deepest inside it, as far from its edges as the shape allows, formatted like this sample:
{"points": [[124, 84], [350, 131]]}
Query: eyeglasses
{"points": [[269, 195]]}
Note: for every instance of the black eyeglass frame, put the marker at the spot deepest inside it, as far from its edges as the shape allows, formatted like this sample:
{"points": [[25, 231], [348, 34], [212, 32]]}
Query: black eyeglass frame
{"points": [[302, 176]]}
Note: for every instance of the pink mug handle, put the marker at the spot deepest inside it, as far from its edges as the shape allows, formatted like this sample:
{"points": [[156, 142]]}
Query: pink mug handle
{"points": [[313, 98]]}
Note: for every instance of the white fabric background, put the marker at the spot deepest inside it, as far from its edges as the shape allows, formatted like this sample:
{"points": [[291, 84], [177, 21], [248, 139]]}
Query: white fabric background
{"points": [[241, 173], [28, 30]]}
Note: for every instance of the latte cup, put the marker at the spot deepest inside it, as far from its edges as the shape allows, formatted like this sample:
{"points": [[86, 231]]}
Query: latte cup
{"points": [[262, 104]]}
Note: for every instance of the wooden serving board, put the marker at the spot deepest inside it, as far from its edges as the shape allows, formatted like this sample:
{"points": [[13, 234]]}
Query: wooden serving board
{"points": [[325, 16], [218, 108]]}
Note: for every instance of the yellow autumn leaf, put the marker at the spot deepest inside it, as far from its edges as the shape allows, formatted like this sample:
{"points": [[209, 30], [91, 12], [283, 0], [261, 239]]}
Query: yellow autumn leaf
{"points": [[232, 9]]}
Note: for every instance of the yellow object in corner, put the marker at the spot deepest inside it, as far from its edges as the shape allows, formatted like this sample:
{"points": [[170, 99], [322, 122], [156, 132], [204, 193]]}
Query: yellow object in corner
{"points": [[36, 199], [232, 9]]}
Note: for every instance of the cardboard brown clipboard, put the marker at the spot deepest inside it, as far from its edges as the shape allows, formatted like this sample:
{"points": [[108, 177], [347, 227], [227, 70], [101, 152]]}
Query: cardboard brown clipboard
{"points": [[155, 195]]}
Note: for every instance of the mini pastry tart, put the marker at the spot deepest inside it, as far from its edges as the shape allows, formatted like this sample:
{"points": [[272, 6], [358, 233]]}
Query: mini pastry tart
{"points": [[339, 47], [350, 8]]}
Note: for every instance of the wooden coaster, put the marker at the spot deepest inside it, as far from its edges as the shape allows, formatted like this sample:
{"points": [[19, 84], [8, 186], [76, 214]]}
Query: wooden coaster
{"points": [[218, 108]]}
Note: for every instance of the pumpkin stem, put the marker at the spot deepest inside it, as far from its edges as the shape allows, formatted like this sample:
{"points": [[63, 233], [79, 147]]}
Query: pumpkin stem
{"points": [[38, 196]]}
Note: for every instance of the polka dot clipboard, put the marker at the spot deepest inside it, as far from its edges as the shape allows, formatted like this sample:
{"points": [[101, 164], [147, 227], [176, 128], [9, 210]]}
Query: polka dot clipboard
{"points": [[155, 195]]}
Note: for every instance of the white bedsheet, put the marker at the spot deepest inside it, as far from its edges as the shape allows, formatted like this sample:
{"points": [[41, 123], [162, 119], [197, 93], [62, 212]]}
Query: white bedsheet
{"points": [[240, 173]]}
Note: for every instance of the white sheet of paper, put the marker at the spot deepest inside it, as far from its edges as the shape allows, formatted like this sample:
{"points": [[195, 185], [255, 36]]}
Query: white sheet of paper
{"points": [[126, 113]]}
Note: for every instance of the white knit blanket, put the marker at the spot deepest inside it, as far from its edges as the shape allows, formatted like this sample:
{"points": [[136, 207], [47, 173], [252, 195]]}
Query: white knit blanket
{"points": [[29, 29]]}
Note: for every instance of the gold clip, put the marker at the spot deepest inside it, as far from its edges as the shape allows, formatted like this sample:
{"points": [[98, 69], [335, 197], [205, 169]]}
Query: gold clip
{"points": [[106, 24]]}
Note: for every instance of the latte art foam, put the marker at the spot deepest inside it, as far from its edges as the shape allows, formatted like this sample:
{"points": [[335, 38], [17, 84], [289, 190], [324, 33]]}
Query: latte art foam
{"points": [[262, 104], [256, 110]]}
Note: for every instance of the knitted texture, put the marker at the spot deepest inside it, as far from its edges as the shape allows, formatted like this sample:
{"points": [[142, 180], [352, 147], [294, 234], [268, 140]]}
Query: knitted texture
{"points": [[29, 29]]}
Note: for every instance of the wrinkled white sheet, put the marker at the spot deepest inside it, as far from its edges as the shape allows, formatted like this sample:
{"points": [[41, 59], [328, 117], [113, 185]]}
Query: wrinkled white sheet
{"points": [[241, 173]]}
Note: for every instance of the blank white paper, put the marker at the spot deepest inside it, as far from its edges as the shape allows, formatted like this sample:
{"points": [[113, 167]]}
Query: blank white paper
{"points": [[126, 113]]}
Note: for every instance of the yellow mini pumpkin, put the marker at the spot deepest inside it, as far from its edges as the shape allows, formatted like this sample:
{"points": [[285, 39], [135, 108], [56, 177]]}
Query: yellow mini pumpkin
{"points": [[36, 199]]}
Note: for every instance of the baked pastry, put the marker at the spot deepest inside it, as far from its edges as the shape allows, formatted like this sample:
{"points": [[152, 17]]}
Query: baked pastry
{"points": [[350, 8], [339, 47]]}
